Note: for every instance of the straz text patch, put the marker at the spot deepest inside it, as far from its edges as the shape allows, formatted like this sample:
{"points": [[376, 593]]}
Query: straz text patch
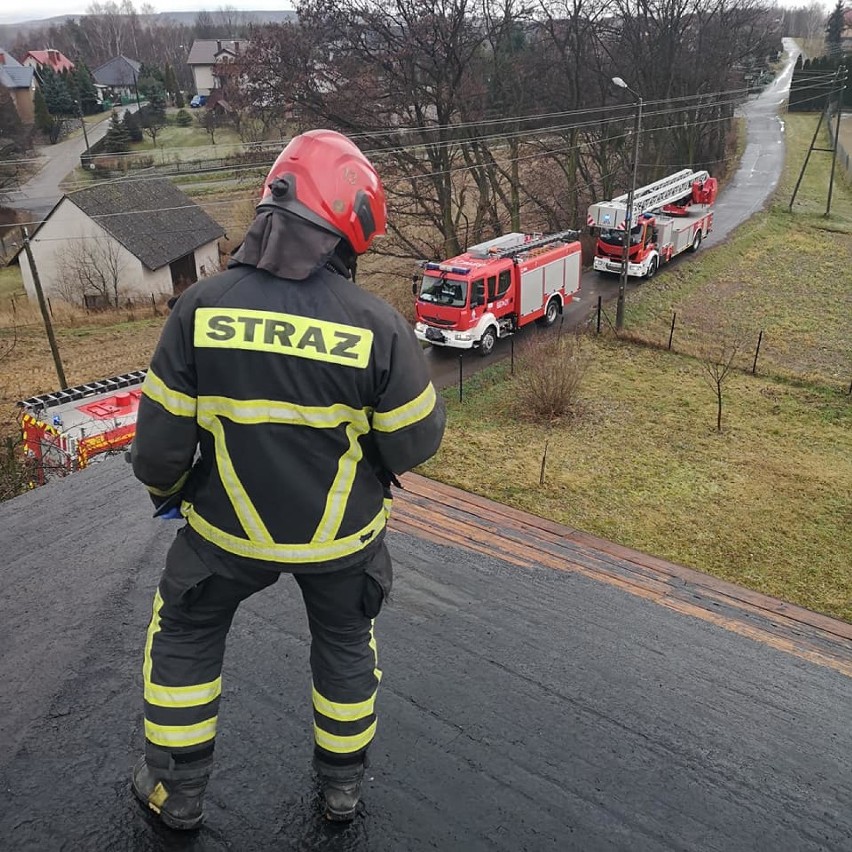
{"points": [[284, 334]]}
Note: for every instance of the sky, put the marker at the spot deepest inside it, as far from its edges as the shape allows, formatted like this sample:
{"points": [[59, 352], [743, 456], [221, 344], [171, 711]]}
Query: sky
{"points": [[34, 10], [37, 9]]}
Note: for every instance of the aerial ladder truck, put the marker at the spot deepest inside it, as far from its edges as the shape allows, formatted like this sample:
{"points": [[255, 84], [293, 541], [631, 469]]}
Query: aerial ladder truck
{"points": [[669, 216]]}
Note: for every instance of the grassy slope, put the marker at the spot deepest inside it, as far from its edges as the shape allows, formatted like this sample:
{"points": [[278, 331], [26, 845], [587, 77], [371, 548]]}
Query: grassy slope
{"points": [[768, 503]]}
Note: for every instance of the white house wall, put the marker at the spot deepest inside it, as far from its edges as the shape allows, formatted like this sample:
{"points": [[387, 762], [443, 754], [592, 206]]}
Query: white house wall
{"points": [[57, 239], [203, 76], [207, 259]]}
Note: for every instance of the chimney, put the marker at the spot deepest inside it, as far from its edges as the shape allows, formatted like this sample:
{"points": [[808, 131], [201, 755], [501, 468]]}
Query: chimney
{"points": [[2, 58], [218, 45], [236, 47]]}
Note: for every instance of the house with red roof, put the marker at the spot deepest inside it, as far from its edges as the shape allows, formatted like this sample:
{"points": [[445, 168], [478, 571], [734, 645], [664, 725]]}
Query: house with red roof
{"points": [[50, 58]]}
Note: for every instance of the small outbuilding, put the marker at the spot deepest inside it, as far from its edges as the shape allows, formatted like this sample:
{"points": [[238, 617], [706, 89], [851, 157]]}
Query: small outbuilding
{"points": [[122, 241]]}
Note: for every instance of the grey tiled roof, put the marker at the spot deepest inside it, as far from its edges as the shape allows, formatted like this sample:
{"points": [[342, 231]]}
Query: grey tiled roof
{"points": [[9, 61], [117, 72], [16, 76], [204, 50], [152, 219]]}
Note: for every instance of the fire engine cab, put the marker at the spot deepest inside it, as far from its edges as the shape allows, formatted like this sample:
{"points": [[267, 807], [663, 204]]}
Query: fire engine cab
{"points": [[670, 216], [495, 288]]}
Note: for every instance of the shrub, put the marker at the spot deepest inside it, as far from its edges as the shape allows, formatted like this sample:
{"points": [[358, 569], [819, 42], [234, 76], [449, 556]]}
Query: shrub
{"points": [[551, 367], [183, 118]]}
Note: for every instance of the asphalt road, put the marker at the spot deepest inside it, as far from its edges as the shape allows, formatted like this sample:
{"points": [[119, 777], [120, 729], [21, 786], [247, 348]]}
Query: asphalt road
{"points": [[39, 194], [521, 709], [745, 194]]}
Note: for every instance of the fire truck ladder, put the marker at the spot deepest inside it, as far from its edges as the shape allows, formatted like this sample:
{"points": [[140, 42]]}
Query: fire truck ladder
{"points": [[540, 242], [36, 404], [613, 214]]}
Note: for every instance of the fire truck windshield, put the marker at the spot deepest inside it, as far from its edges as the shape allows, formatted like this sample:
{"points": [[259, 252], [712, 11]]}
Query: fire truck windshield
{"points": [[442, 291], [614, 237]]}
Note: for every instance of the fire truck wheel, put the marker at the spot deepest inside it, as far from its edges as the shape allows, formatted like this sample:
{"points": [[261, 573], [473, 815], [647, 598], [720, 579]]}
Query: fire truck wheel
{"points": [[652, 269], [696, 243], [487, 343], [550, 313]]}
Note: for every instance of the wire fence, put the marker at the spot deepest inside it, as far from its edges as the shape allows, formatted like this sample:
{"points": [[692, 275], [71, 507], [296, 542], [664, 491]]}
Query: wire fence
{"points": [[844, 160]]}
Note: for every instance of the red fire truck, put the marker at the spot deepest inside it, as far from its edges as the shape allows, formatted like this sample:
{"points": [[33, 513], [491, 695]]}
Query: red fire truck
{"points": [[670, 216], [495, 288], [65, 430]]}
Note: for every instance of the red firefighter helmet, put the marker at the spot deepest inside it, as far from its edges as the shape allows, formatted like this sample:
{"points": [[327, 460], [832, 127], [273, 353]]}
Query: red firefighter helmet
{"points": [[323, 177]]}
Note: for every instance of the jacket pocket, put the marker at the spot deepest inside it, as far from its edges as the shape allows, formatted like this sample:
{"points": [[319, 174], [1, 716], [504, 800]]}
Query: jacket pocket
{"points": [[185, 575], [378, 581]]}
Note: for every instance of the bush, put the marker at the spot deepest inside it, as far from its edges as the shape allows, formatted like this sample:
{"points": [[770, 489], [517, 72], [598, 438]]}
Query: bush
{"points": [[183, 118], [551, 367], [132, 126]]}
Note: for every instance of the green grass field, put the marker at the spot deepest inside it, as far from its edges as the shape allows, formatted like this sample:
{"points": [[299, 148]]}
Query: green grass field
{"points": [[768, 501], [11, 284]]}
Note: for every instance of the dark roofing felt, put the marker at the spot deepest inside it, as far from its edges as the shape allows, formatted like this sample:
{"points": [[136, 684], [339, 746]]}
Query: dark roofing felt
{"points": [[152, 219], [205, 50], [119, 71]]}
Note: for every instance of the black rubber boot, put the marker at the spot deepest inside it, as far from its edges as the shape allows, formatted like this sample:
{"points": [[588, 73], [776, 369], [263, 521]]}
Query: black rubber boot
{"points": [[341, 788], [174, 791]]}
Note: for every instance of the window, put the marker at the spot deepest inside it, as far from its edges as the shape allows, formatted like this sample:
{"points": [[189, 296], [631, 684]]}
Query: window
{"points": [[492, 288], [504, 283], [478, 297]]}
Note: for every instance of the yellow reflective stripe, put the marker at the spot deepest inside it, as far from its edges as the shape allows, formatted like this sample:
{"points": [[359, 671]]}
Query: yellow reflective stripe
{"points": [[343, 745], [153, 628], [310, 552], [181, 735], [377, 672], [341, 487], [398, 418], [283, 334], [183, 696], [247, 514], [173, 401], [343, 712], [254, 411], [158, 492]]}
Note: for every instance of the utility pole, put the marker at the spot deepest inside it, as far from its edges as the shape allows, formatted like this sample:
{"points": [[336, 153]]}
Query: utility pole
{"points": [[841, 86], [83, 123], [45, 313], [628, 224]]}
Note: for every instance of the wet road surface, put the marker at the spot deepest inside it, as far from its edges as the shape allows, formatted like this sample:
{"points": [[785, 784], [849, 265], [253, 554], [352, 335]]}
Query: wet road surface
{"points": [[521, 708]]}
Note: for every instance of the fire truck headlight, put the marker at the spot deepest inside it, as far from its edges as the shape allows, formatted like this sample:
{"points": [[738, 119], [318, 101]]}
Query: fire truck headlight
{"points": [[420, 326], [463, 335]]}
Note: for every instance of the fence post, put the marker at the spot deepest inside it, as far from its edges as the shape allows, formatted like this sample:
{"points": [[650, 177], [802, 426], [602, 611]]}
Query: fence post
{"points": [[461, 378], [543, 463], [756, 353], [512, 354], [50, 307], [671, 331], [153, 305], [600, 300]]}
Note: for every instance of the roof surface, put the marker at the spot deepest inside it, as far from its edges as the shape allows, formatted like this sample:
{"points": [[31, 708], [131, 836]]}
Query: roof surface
{"points": [[152, 219], [52, 57], [205, 50], [16, 76], [119, 71], [8, 59], [521, 708]]}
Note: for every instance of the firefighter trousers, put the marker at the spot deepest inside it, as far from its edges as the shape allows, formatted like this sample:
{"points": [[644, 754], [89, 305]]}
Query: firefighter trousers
{"points": [[193, 609]]}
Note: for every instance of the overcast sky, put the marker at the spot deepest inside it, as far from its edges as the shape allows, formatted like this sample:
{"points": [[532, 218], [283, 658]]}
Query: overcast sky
{"points": [[36, 9]]}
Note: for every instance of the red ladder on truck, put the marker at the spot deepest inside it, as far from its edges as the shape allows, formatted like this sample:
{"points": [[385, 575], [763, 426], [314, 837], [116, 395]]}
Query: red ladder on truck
{"points": [[668, 190]]}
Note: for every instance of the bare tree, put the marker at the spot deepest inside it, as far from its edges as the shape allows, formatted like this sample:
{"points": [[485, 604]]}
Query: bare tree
{"points": [[716, 369], [95, 268]]}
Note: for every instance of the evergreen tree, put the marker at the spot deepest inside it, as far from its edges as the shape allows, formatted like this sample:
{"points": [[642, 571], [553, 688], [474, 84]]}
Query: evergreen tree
{"points": [[180, 103], [117, 139], [57, 94], [43, 121], [170, 81], [834, 30], [85, 89], [133, 126]]}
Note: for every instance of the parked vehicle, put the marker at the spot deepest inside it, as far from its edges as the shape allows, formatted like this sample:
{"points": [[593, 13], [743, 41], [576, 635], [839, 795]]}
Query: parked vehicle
{"points": [[495, 288], [198, 101], [670, 216]]}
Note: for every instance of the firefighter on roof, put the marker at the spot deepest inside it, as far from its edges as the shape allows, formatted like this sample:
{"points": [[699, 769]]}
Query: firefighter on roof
{"points": [[304, 395]]}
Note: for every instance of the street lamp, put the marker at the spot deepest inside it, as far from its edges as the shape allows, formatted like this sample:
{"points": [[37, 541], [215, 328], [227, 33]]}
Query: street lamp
{"points": [[628, 223]]}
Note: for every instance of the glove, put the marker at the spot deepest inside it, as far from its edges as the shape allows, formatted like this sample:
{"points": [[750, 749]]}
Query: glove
{"points": [[167, 508]]}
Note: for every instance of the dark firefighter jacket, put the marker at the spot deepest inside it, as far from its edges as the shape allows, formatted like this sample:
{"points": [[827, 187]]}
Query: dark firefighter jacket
{"points": [[301, 396]]}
